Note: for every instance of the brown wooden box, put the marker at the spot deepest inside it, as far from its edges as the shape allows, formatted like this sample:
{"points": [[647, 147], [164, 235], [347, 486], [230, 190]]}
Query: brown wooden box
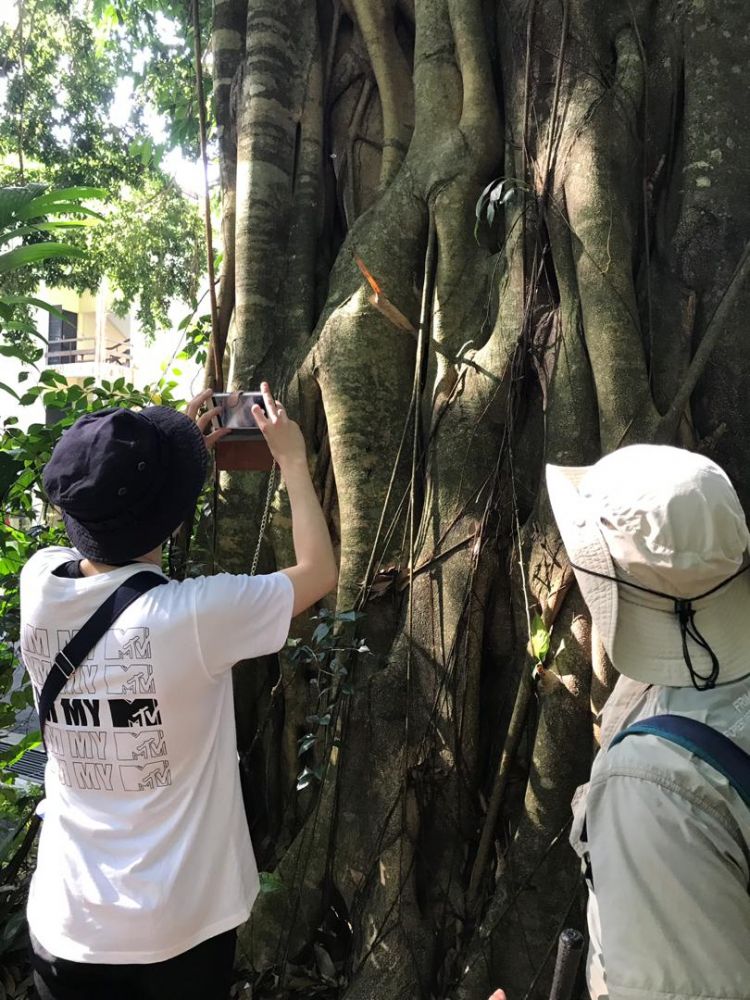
{"points": [[243, 454]]}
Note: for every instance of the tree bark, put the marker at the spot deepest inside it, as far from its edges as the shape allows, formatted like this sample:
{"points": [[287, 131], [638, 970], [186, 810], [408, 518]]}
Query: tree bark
{"points": [[431, 858]]}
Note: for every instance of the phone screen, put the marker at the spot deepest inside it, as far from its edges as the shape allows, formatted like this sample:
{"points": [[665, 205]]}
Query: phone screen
{"points": [[236, 410]]}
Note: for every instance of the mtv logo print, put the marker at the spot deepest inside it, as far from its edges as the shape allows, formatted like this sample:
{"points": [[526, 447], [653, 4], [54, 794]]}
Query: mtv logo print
{"points": [[140, 745], [35, 654], [127, 644], [139, 779], [134, 714], [129, 678]]}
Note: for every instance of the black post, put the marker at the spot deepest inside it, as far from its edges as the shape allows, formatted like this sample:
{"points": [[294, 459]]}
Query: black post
{"points": [[569, 951]]}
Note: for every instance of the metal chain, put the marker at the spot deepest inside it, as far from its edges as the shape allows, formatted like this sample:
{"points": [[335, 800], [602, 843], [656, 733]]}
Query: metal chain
{"points": [[264, 519]]}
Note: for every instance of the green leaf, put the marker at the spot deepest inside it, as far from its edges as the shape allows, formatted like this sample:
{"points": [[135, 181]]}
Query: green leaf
{"points": [[540, 638], [64, 208], [321, 632], [12, 199], [12, 933], [21, 698], [270, 882], [8, 389], [13, 754], [10, 469], [30, 300], [305, 778], [484, 198], [67, 198], [146, 151], [306, 742], [52, 378], [37, 252]]}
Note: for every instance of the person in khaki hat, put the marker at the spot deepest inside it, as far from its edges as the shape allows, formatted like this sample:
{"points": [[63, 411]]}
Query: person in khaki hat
{"points": [[661, 550]]}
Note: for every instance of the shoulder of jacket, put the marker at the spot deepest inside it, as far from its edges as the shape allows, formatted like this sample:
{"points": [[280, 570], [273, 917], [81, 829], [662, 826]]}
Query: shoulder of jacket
{"points": [[691, 780]]}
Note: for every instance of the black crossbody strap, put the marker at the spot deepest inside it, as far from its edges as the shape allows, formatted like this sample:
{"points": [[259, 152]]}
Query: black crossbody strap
{"points": [[81, 644]]}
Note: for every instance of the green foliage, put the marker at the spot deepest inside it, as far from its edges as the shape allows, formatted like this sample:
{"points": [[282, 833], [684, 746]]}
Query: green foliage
{"points": [[497, 194], [157, 37], [270, 882], [540, 639], [333, 642], [136, 251], [27, 215], [91, 91], [16, 863]]}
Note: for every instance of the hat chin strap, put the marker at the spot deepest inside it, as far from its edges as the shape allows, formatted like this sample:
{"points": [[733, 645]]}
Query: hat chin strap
{"points": [[688, 630], [683, 608]]}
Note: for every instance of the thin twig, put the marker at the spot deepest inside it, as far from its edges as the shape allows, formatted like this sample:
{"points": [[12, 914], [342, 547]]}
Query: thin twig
{"points": [[512, 742], [217, 348], [22, 105], [668, 424], [555, 104]]}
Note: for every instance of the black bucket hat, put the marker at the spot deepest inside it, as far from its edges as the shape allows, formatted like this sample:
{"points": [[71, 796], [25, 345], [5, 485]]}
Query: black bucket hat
{"points": [[124, 480]]}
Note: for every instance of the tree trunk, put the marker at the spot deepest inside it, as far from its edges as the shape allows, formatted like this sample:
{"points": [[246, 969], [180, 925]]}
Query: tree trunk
{"points": [[430, 859]]}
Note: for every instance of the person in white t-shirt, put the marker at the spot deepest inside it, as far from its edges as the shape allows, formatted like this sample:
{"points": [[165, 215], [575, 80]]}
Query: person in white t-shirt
{"points": [[145, 865]]}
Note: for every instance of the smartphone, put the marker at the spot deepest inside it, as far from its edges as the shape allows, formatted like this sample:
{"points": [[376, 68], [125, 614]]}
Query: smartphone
{"points": [[236, 413]]}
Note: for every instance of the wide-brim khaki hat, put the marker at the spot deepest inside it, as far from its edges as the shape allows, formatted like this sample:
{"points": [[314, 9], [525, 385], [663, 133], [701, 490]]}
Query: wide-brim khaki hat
{"points": [[669, 521]]}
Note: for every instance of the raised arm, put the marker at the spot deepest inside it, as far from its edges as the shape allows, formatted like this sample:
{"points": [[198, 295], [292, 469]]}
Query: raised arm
{"points": [[315, 573]]}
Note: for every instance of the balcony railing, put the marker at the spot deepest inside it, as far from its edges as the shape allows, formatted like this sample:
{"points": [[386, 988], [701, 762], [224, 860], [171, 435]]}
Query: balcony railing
{"points": [[70, 352], [83, 350]]}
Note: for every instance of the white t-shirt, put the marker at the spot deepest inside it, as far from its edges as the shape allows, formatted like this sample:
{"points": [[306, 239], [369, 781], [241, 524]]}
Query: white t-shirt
{"points": [[144, 850]]}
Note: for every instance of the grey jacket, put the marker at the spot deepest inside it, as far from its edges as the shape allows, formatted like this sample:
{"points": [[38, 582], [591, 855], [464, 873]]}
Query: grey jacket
{"points": [[669, 843]]}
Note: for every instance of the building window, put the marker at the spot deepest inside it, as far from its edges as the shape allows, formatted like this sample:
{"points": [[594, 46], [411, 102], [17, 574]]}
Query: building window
{"points": [[62, 348]]}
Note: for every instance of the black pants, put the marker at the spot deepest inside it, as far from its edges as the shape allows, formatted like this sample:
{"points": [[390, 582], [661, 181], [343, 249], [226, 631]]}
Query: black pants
{"points": [[203, 973]]}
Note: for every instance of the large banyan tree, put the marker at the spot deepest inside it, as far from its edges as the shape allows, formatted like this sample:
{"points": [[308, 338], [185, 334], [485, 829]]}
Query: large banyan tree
{"points": [[463, 238]]}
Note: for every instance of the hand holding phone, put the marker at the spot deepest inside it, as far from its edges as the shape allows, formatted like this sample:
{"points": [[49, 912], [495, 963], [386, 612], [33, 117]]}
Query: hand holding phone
{"points": [[283, 435], [207, 419]]}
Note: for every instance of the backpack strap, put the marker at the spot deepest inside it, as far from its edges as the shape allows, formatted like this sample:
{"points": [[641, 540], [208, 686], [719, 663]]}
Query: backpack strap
{"points": [[707, 743], [84, 640]]}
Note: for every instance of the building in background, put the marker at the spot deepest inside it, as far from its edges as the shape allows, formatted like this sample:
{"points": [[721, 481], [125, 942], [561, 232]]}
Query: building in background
{"points": [[90, 340]]}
